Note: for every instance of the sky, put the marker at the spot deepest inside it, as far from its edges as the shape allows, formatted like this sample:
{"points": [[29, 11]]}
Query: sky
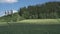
{"points": [[17, 4]]}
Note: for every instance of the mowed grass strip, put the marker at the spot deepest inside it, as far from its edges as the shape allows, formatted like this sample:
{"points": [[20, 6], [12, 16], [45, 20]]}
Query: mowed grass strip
{"points": [[41, 21], [34, 21]]}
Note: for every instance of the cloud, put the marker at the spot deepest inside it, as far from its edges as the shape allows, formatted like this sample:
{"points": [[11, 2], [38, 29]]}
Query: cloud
{"points": [[14, 11], [8, 1]]}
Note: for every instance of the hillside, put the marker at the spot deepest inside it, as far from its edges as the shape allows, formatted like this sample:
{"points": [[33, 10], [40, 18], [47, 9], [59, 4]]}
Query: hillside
{"points": [[49, 10], [11, 18]]}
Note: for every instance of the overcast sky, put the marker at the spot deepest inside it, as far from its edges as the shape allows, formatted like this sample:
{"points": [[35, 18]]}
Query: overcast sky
{"points": [[16, 4]]}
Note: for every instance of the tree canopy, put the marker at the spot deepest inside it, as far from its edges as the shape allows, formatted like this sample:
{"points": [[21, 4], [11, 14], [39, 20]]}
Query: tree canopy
{"points": [[41, 11]]}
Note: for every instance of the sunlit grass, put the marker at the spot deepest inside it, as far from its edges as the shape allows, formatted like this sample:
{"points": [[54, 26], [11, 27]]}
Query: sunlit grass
{"points": [[41, 21], [35, 21]]}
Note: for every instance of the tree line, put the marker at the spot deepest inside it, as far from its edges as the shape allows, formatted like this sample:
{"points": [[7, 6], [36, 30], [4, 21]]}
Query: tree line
{"points": [[49, 10]]}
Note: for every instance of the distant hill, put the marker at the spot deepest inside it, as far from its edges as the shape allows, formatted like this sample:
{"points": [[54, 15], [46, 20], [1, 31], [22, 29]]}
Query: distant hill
{"points": [[11, 18]]}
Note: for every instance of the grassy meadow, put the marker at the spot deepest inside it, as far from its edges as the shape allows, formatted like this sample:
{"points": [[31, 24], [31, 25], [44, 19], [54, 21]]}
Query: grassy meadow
{"points": [[31, 26], [41, 21]]}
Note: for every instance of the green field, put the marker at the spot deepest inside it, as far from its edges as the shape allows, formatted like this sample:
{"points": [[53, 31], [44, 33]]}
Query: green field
{"points": [[31, 26], [41, 21]]}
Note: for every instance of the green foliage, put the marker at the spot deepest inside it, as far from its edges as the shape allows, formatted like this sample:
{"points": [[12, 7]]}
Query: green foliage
{"points": [[42, 11], [11, 18]]}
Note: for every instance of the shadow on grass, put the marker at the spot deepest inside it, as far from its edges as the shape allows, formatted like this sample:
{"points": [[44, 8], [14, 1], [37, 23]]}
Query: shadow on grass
{"points": [[30, 29]]}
